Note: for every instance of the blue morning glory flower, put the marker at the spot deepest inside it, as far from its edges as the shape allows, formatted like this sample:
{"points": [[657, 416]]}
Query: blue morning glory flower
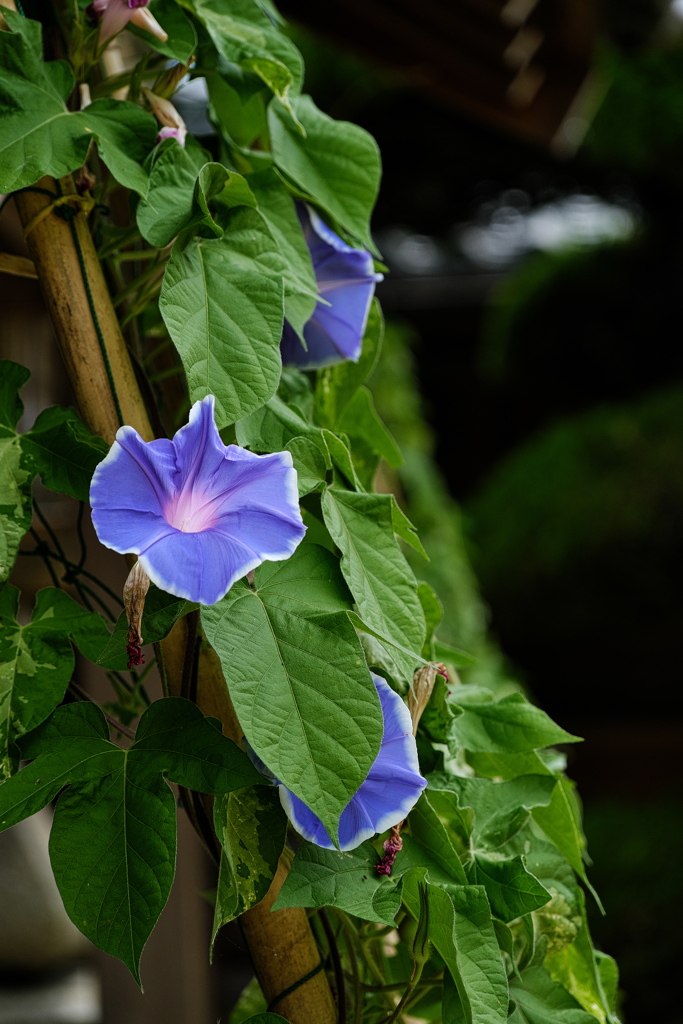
{"points": [[198, 514], [346, 281], [391, 789]]}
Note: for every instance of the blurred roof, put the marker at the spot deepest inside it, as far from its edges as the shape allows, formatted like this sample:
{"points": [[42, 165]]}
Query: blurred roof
{"points": [[521, 65]]}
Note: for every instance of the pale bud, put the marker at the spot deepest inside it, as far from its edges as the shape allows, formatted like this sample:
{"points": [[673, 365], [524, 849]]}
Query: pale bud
{"points": [[134, 592], [148, 23]]}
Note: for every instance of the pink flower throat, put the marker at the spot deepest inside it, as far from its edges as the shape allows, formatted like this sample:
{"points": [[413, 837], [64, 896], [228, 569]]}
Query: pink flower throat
{"points": [[190, 511]]}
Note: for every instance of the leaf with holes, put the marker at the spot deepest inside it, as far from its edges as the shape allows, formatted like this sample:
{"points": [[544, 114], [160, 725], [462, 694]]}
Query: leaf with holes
{"points": [[251, 827], [298, 678], [113, 839]]}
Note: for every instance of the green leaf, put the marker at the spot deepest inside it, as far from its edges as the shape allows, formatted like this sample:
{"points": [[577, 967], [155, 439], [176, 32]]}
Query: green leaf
{"points": [[348, 881], [461, 928], [222, 302], [251, 827], [433, 613], [245, 35], [336, 385], [336, 163], [429, 845], [576, 969], [218, 192], [298, 678], [238, 104], [15, 479], [454, 656], [561, 822], [341, 458], [309, 464], [511, 724], [64, 452], [161, 613], [541, 1001], [36, 663], [39, 135], [182, 37], [15, 499], [114, 834], [501, 809], [439, 715], [380, 579], [360, 421], [511, 889], [277, 206], [13, 376], [251, 1001], [273, 426], [168, 202]]}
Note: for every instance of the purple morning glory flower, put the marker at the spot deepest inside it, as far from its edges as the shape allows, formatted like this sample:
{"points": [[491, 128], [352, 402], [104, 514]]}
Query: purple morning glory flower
{"points": [[391, 789], [198, 514], [346, 281]]}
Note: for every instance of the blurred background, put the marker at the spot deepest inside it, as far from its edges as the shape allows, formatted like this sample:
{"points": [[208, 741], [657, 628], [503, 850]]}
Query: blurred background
{"points": [[530, 218], [531, 215]]}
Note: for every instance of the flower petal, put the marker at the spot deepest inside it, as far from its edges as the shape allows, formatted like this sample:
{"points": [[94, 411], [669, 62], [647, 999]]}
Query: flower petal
{"points": [[114, 18], [346, 281], [390, 791], [200, 567], [128, 492]]}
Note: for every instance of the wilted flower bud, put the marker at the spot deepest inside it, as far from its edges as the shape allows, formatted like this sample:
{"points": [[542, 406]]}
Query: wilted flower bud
{"points": [[134, 592]]}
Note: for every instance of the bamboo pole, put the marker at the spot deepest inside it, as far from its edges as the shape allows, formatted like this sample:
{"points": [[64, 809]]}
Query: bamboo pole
{"points": [[282, 945], [56, 260]]}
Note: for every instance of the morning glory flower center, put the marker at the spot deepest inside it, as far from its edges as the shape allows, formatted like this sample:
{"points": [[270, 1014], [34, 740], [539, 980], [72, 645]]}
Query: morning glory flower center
{"points": [[190, 511]]}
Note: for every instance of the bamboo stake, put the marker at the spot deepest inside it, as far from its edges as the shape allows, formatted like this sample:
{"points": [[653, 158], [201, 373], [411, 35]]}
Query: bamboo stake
{"points": [[281, 944], [55, 257]]}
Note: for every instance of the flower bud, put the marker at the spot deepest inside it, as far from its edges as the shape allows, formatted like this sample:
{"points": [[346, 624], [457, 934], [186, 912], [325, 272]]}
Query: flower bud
{"points": [[134, 592]]}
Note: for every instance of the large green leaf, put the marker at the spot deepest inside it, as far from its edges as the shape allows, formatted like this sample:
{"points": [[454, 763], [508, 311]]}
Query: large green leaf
{"points": [[325, 878], [501, 809], [114, 835], [461, 928], [336, 163], [39, 135], [169, 198], [61, 448], [277, 206], [222, 301], [243, 34], [251, 827], [380, 579], [361, 422], [511, 889], [561, 822], [540, 1000], [298, 678], [511, 724]]}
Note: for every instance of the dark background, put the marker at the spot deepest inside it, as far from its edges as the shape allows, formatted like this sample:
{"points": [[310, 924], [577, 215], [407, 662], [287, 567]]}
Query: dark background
{"points": [[554, 387]]}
